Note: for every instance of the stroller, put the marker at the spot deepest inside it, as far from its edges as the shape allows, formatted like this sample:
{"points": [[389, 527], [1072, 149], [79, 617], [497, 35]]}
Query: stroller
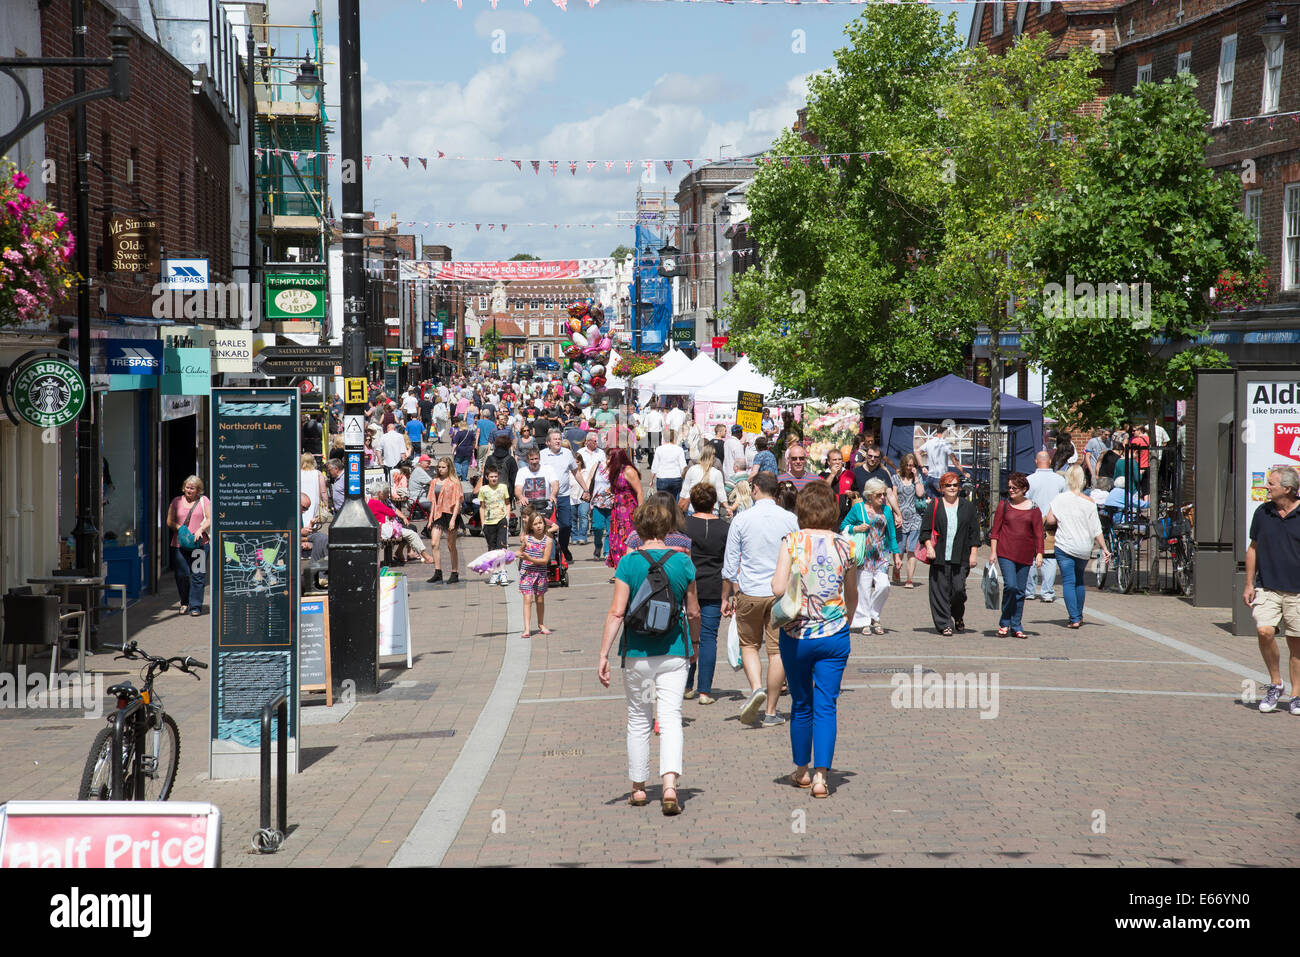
{"points": [[557, 572]]}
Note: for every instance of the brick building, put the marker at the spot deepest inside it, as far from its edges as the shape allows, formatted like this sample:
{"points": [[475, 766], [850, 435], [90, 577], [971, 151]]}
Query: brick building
{"points": [[539, 309]]}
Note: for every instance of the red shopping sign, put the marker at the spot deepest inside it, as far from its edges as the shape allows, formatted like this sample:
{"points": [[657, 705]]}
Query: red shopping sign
{"points": [[1286, 440], [719, 342], [118, 834]]}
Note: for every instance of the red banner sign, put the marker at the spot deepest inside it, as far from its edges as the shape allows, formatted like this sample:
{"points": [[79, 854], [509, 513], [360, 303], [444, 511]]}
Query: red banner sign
{"points": [[1286, 440], [119, 834], [719, 342], [509, 271]]}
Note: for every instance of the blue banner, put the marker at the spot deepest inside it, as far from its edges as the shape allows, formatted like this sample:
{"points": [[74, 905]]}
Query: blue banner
{"points": [[134, 356], [656, 290]]}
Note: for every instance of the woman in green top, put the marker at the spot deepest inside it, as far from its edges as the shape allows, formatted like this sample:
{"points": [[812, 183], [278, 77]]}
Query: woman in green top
{"points": [[661, 661]]}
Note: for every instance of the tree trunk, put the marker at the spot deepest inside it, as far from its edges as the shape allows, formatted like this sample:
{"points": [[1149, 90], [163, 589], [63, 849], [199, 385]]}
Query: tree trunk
{"points": [[995, 428]]}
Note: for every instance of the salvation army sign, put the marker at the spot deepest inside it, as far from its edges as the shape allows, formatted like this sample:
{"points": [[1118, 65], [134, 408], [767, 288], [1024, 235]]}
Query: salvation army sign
{"points": [[44, 389]]}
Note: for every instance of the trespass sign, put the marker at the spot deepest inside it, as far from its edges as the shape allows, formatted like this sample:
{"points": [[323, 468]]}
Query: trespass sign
{"points": [[295, 295], [44, 390]]}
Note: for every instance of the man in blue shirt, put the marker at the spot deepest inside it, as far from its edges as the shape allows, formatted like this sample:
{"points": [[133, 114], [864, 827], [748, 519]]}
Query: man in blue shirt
{"points": [[415, 431], [1273, 580], [485, 426]]}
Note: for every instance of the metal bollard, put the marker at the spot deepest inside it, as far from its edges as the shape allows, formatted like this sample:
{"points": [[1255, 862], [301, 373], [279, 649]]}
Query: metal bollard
{"points": [[266, 840]]}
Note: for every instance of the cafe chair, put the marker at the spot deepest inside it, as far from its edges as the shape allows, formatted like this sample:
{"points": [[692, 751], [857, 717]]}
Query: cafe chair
{"points": [[36, 620]]}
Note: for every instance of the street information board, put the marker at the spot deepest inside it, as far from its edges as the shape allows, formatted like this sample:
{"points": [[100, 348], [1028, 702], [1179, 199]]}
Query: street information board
{"points": [[1271, 434], [254, 570], [749, 411]]}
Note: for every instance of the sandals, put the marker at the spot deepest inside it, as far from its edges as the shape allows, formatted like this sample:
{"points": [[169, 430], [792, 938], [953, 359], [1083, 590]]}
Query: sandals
{"points": [[820, 779], [909, 584], [525, 635], [670, 804], [947, 633], [1074, 624], [544, 631], [1021, 634], [805, 784], [638, 788], [877, 629], [1003, 632]]}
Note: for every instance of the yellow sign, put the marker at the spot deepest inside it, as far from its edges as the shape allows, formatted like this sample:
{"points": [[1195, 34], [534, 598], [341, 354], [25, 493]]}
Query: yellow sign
{"points": [[749, 412], [355, 391]]}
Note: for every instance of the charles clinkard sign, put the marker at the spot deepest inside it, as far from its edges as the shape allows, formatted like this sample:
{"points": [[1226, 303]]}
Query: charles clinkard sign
{"points": [[44, 389]]}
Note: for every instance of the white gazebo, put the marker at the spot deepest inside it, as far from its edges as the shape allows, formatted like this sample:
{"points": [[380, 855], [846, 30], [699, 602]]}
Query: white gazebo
{"points": [[700, 372]]}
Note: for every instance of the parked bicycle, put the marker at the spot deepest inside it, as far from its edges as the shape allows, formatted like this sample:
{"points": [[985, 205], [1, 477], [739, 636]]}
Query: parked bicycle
{"points": [[150, 772], [1123, 540]]}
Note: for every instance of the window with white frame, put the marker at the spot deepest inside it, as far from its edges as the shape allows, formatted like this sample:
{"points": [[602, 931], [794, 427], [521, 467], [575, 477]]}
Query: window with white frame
{"points": [[1255, 212], [997, 18], [1272, 78], [1144, 73], [1291, 237], [1227, 70], [1185, 62], [534, 328]]}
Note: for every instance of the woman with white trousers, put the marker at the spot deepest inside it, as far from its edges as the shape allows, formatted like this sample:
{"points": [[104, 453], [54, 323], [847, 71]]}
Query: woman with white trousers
{"points": [[870, 523]]}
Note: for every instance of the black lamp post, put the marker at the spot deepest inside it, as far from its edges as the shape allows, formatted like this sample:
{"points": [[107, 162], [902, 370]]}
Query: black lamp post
{"points": [[354, 536]]}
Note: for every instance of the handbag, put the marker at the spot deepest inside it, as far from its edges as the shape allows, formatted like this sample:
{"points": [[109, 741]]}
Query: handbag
{"points": [[992, 585], [921, 554], [786, 609], [733, 645], [184, 537], [859, 538]]}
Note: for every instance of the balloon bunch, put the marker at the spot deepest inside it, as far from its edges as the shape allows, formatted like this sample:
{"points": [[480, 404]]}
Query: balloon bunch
{"points": [[587, 351]]}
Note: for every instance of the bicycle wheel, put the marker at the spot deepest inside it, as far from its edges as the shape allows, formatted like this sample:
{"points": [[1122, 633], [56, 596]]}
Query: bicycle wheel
{"points": [[1126, 568], [1184, 566], [162, 755], [97, 777], [1102, 567]]}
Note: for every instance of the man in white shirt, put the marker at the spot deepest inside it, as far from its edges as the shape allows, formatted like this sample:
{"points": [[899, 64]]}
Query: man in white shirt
{"points": [[534, 485], [939, 457], [653, 422], [753, 545], [561, 464], [733, 454], [410, 404], [392, 447], [675, 419], [591, 455], [1044, 485]]}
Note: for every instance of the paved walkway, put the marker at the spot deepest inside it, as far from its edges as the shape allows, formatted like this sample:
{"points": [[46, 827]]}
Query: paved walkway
{"points": [[1125, 743]]}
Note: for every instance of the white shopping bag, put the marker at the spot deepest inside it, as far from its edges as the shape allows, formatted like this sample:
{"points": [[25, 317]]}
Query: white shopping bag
{"points": [[733, 644]]}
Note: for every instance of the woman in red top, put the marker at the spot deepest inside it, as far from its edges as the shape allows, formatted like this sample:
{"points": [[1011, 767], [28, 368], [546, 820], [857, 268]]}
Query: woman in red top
{"points": [[1017, 542]]}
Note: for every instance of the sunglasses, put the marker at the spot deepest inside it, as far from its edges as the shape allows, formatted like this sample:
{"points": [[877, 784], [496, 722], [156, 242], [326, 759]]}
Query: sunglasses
{"points": [[798, 458]]}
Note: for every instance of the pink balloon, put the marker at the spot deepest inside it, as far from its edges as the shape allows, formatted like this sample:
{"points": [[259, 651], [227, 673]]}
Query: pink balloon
{"points": [[606, 344]]}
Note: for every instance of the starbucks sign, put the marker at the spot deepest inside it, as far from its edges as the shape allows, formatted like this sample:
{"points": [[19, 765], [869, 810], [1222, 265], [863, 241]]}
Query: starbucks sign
{"points": [[45, 391]]}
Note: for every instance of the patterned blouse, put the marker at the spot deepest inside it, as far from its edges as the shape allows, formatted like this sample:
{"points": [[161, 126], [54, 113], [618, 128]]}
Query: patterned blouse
{"points": [[823, 559]]}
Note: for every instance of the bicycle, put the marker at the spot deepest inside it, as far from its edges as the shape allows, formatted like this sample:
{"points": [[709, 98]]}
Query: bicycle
{"points": [[157, 765], [1181, 543]]}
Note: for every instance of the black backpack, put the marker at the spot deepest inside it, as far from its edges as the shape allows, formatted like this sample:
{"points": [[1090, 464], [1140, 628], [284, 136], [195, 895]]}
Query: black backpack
{"points": [[654, 609]]}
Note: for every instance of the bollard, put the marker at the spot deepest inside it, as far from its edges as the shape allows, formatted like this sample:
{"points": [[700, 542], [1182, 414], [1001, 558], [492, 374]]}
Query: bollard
{"points": [[267, 841]]}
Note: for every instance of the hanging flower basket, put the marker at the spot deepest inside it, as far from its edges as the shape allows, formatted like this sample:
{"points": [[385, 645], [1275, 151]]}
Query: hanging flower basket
{"points": [[631, 366], [1238, 291], [35, 250]]}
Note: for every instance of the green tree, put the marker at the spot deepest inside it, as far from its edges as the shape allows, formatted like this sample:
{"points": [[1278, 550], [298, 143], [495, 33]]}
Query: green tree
{"points": [[621, 252], [839, 306], [1126, 259], [493, 345], [522, 256]]}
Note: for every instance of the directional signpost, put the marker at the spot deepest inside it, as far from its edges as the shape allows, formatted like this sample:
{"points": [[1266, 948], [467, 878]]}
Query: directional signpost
{"points": [[254, 571], [302, 360]]}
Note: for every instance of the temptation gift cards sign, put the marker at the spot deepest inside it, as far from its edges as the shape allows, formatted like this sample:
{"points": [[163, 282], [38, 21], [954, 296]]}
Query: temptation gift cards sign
{"points": [[1271, 434]]}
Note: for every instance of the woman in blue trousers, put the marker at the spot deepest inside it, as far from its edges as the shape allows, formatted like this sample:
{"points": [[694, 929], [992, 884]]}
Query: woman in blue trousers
{"points": [[815, 643]]}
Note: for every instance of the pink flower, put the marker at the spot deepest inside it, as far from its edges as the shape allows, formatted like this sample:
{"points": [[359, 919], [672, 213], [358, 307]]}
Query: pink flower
{"points": [[20, 179]]}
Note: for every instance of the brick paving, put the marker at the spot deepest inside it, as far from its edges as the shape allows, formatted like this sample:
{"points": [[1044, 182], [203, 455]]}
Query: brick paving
{"points": [[1177, 778]]}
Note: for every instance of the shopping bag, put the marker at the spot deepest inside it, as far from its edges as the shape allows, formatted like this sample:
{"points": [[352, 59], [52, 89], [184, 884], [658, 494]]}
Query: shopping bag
{"points": [[733, 644], [992, 587]]}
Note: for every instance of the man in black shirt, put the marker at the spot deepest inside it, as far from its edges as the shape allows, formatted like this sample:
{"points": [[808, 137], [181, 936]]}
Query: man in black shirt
{"points": [[1273, 561], [871, 467]]}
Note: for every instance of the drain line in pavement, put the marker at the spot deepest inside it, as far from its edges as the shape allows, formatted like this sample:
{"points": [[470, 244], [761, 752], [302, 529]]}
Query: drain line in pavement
{"points": [[436, 830]]}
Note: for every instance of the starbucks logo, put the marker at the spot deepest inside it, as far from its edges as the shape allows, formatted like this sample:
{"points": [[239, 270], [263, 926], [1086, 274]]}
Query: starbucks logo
{"points": [[47, 392]]}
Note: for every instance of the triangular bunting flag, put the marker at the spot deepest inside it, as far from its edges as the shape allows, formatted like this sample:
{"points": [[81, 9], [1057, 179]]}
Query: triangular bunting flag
{"points": [[331, 158], [518, 165], [668, 165], [536, 165], [293, 156], [826, 160], [478, 227], [629, 164], [441, 155], [561, 5], [258, 152], [649, 165], [609, 165], [804, 158], [503, 227], [590, 164], [368, 161], [424, 161], [573, 168], [406, 161], [785, 161], [492, 226], [390, 156], [690, 164], [554, 164], [867, 157], [845, 157]]}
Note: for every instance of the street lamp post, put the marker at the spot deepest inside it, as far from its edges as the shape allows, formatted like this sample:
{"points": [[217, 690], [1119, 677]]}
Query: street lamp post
{"points": [[354, 536]]}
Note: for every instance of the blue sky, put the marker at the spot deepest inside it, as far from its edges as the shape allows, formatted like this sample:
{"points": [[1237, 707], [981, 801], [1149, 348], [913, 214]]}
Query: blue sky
{"points": [[626, 80]]}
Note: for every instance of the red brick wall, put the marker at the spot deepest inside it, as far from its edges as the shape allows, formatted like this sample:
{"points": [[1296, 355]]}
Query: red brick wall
{"points": [[175, 134]]}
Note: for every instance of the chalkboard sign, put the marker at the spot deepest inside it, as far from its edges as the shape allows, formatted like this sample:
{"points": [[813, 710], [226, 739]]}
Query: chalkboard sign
{"points": [[314, 647]]}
